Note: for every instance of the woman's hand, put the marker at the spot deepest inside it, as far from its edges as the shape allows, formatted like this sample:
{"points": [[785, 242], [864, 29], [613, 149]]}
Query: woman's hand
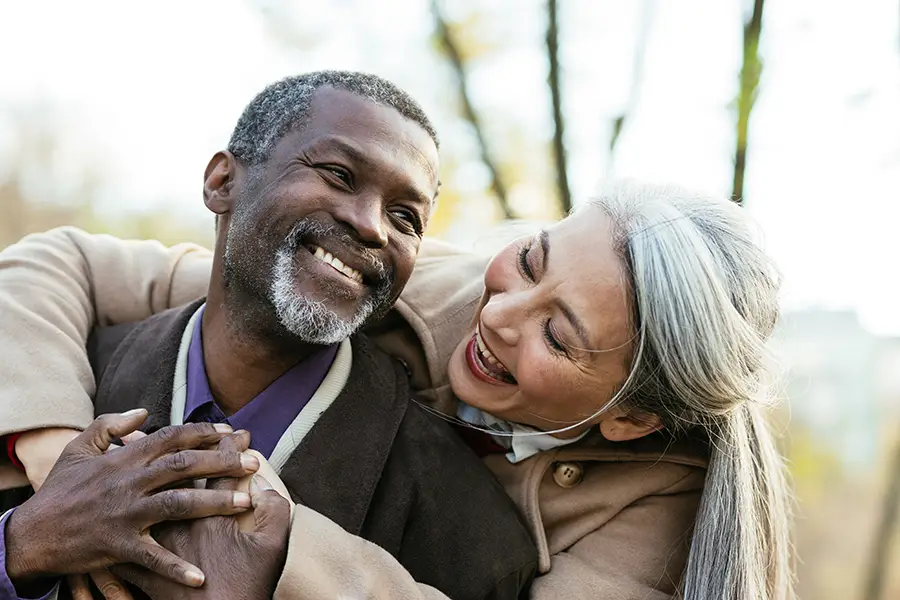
{"points": [[38, 451]]}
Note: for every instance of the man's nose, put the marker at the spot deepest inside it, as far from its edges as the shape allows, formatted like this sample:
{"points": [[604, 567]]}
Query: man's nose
{"points": [[365, 217]]}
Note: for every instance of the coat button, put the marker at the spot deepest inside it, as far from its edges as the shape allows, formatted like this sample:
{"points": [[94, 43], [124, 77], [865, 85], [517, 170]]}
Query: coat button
{"points": [[568, 474]]}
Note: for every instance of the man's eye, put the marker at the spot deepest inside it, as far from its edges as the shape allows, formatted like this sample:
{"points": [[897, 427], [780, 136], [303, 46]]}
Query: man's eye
{"points": [[408, 217], [340, 173]]}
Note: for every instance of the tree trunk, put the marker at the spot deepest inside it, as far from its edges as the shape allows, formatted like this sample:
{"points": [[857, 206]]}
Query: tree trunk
{"points": [[455, 58], [559, 145], [750, 72], [637, 78], [884, 533]]}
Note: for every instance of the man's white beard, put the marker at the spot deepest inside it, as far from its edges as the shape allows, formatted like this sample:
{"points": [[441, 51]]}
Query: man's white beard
{"points": [[310, 320]]}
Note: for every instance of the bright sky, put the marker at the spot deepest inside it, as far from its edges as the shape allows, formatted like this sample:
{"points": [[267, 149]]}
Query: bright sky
{"points": [[150, 90]]}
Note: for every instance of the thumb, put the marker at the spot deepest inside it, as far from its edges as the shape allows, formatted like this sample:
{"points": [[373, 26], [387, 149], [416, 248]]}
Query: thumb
{"points": [[271, 511], [132, 437], [98, 436]]}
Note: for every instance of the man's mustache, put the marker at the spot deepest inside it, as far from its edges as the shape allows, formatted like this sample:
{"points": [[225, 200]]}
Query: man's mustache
{"points": [[373, 265]]}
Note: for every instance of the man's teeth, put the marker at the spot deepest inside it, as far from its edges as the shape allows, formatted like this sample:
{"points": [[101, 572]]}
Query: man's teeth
{"points": [[335, 262]]}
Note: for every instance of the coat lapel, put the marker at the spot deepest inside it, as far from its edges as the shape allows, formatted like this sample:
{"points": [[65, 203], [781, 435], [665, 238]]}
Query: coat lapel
{"points": [[140, 372], [337, 467], [339, 463]]}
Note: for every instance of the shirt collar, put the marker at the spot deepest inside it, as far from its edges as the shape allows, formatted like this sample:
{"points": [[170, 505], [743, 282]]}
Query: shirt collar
{"points": [[270, 413], [521, 441]]}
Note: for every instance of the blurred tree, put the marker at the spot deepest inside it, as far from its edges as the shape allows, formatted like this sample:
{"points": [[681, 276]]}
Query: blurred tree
{"points": [[750, 72], [884, 533], [559, 145], [41, 188], [637, 77], [455, 57]]}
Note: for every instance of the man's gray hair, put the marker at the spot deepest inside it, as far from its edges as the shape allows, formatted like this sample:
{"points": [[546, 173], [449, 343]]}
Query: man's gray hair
{"points": [[283, 106]]}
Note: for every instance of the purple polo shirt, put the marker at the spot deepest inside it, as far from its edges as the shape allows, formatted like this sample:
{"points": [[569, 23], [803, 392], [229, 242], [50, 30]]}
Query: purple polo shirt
{"points": [[266, 417]]}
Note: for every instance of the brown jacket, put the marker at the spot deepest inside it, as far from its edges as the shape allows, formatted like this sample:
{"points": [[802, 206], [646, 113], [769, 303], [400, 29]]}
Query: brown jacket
{"points": [[611, 521]]}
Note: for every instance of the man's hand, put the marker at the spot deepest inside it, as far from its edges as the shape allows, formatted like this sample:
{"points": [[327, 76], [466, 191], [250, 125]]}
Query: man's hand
{"points": [[96, 509], [237, 564]]}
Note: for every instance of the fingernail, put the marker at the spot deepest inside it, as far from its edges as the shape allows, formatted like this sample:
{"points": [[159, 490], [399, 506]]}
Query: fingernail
{"points": [[241, 500], [194, 577], [134, 412], [258, 483], [222, 427], [249, 462]]}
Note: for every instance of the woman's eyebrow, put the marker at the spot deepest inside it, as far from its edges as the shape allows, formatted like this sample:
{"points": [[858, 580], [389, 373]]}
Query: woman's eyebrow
{"points": [[577, 324]]}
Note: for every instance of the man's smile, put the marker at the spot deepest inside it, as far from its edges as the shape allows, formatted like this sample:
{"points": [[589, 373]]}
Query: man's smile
{"points": [[335, 262]]}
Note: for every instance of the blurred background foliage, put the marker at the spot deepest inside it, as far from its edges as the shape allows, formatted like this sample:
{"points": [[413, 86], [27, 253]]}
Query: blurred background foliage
{"points": [[534, 101]]}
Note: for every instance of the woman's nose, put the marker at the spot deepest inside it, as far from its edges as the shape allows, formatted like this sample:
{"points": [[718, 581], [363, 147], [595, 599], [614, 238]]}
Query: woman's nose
{"points": [[502, 317]]}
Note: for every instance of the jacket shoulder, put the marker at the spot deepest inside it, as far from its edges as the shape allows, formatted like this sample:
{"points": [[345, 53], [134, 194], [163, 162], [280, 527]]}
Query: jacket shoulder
{"points": [[103, 343]]}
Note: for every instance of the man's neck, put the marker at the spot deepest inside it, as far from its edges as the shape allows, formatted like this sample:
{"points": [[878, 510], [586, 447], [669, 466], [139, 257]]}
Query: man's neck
{"points": [[242, 359]]}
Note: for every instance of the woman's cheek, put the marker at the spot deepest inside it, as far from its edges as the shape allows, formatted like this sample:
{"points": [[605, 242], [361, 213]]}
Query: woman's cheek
{"points": [[540, 378]]}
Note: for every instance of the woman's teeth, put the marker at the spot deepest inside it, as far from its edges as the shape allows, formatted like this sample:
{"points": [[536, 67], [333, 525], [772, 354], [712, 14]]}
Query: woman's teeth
{"points": [[486, 353], [335, 262]]}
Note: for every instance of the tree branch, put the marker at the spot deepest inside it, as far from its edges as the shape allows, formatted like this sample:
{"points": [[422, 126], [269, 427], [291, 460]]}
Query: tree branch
{"points": [[559, 146], [469, 113], [887, 525], [750, 72], [637, 77]]}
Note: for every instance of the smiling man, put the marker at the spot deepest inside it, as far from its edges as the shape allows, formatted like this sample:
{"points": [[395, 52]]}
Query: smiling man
{"points": [[321, 200]]}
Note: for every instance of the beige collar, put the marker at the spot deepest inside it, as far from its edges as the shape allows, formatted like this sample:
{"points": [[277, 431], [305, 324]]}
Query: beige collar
{"points": [[327, 391]]}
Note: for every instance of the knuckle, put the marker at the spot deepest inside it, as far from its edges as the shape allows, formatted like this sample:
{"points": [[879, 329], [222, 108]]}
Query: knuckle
{"points": [[145, 557], [112, 590], [175, 504], [103, 420], [167, 434], [179, 462], [231, 459], [173, 570], [201, 429], [228, 444]]}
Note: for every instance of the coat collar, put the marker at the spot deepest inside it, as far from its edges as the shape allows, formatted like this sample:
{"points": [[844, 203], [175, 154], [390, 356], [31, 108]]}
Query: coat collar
{"points": [[325, 472], [338, 465]]}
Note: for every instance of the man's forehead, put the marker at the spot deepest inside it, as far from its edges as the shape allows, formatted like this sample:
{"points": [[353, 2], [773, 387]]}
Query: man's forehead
{"points": [[343, 121], [339, 111]]}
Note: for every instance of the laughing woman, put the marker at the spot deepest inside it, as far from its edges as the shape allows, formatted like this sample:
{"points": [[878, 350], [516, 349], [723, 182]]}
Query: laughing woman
{"points": [[610, 369]]}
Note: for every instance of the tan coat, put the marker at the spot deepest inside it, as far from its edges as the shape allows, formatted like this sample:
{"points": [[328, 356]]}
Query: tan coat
{"points": [[611, 520]]}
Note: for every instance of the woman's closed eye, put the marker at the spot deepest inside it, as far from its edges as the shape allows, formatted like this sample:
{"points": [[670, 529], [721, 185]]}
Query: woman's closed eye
{"points": [[524, 267], [550, 336], [552, 340]]}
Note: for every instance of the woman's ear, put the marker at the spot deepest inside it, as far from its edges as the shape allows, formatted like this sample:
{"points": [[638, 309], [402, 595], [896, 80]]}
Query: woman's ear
{"points": [[218, 183], [619, 425]]}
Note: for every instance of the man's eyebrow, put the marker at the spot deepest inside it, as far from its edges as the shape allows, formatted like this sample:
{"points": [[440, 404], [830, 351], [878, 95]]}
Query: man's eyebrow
{"points": [[577, 324], [358, 156], [346, 148]]}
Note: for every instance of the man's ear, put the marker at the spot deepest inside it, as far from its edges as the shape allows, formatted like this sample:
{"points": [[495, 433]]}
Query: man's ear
{"points": [[619, 425], [219, 182]]}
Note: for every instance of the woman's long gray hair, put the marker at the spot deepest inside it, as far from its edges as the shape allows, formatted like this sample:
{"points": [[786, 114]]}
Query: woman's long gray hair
{"points": [[705, 302]]}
